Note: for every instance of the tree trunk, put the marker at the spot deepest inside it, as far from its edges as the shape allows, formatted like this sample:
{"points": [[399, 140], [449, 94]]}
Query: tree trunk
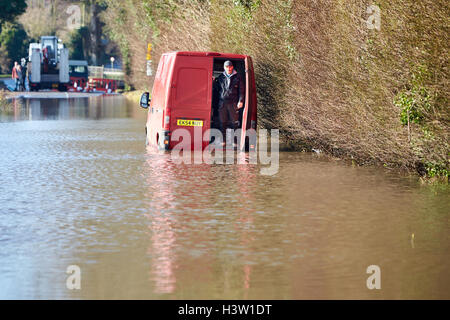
{"points": [[95, 30]]}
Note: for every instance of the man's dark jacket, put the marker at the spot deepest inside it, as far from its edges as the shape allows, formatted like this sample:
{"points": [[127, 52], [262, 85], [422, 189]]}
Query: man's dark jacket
{"points": [[229, 90]]}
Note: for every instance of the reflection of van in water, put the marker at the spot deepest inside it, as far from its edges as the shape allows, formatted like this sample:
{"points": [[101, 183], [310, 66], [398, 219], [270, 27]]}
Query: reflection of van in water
{"points": [[182, 96]]}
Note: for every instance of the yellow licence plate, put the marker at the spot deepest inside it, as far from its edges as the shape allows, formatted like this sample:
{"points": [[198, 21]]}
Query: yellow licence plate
{"points": [[190, 123]]}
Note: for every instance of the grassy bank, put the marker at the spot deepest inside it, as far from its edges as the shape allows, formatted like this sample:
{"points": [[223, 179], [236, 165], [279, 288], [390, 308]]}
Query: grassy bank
{"points": [[325, 78]]}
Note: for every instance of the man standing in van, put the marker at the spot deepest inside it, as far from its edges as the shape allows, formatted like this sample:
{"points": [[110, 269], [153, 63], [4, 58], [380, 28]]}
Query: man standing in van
{"points": [[230, 88]]}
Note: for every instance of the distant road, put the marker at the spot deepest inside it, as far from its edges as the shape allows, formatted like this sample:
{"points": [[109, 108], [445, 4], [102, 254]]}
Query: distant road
{"points": [[54, 95]]}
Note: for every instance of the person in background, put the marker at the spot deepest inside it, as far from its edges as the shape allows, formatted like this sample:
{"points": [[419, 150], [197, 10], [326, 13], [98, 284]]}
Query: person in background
{"points": [[46, 61], [23, 66], [29, 73], [16, 75]]}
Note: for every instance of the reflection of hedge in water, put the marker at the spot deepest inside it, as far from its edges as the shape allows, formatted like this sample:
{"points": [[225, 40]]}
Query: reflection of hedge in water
{"points": [[324, 78], [3, 100], [6, 107]]}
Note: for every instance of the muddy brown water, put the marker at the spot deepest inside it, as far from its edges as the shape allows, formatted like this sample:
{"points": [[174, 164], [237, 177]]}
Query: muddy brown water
{"points": [[79, 187]]}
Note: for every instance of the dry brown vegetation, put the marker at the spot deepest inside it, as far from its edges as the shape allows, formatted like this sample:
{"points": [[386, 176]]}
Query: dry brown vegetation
{"points": [[324, 78]]}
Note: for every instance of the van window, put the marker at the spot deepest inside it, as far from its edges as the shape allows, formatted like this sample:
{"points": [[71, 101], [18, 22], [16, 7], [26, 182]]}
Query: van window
{"points": [[192, 87], [78, 71], [158, 98]]}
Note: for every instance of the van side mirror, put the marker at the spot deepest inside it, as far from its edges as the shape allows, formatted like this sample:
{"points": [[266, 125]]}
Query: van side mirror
{"points": [[145, 100]]}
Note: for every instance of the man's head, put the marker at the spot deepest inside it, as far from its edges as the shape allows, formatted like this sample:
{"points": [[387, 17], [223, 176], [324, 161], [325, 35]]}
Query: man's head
{"points": [[228, 66], [16, 63]]}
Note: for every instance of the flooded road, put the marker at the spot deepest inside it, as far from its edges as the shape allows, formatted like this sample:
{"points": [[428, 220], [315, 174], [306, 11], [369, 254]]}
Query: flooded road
{"points": [[79, 187]]}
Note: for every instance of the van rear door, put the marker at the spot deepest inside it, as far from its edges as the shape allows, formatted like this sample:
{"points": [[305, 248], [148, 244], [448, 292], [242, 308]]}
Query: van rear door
{"points": [[249, 113], [191, 93]]}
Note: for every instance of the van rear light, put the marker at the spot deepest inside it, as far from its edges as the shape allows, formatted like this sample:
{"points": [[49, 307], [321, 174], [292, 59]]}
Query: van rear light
{"points": [[166, 139], [166, 118]]}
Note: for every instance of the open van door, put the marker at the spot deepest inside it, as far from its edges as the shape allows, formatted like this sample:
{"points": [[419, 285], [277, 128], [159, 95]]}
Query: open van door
{"points": [[249, 113]]}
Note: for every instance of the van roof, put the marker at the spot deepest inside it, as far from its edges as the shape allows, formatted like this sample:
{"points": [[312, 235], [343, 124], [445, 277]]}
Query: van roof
{"points": [[207, 54]]}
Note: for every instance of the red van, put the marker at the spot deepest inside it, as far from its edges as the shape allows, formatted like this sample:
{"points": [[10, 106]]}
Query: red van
{"points": [[182, 96]]}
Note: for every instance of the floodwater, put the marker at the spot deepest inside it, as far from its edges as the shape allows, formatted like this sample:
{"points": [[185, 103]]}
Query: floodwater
{"points": [[79, 187]]}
